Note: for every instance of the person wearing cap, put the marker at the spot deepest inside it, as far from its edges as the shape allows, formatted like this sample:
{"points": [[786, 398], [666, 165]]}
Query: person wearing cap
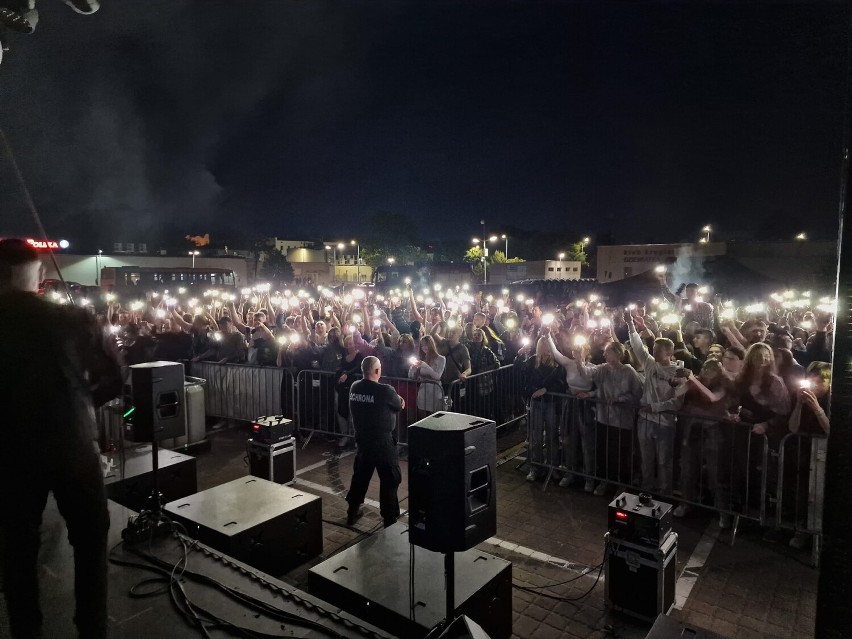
{"points": [[50, 389]]}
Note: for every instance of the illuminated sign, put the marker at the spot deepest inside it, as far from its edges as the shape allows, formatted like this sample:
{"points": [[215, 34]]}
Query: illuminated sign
{"points": [[45, 245]]}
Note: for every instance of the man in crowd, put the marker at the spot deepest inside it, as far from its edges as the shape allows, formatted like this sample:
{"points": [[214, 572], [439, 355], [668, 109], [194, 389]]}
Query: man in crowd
{"points": [[373, 407], [50, 389], [655, 427], [695, 354], [696, 309]]}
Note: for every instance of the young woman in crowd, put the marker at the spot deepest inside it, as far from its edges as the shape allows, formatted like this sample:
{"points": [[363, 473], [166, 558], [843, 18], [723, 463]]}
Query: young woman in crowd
{"points": [[805, 453], [543, 377], [579, 424], [705, 438], [481, 387], [428, 370], [618, 389], [350, 369]]}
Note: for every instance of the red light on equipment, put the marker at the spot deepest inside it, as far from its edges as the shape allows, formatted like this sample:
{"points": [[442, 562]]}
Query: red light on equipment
{"points": [[621, 516], [256, 426]]}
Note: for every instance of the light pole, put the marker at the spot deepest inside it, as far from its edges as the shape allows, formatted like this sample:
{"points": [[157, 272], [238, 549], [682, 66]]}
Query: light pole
{"points": [[98, 267], [340, 247], [706, 230], [357, 259], [587, 240], [506, 238], [561, 256], [484, 244], [481, 243], [334, 261], [391, 260], [193, 254]]}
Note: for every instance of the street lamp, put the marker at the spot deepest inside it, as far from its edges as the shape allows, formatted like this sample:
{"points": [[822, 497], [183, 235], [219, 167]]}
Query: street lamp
{"points": [[357, 259], [706, 229], [193, 254], [506, 237], [561, 256], [334, 262], [391, 260], [802, 236], [98, 267], [484, 244], [587, 240]]}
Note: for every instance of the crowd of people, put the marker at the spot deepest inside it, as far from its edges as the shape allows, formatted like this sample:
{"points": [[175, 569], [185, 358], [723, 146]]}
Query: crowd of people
{"points": [[656, 393]]}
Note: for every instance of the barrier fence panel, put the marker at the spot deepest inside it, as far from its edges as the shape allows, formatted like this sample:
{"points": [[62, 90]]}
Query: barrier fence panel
{"points": [[492, 395], [239, 391], [323, 404], [801, 482], [426, 393], [695, 461]]}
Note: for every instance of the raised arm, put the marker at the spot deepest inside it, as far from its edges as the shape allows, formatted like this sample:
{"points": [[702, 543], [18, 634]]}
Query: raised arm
{"points": [[415, 314], [433, 372], [733, 335], [563, 360], [640, 351], [237, 318], [181, 322]]}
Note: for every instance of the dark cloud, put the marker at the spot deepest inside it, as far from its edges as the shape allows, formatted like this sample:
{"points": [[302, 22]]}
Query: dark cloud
{"points": [[302, 118]]}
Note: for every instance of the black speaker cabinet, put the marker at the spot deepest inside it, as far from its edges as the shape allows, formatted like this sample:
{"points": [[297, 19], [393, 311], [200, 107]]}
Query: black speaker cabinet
{"points": [[259, 522], [157, 396], [372, 580], [451, 484], [668, 628], [131, 483]]}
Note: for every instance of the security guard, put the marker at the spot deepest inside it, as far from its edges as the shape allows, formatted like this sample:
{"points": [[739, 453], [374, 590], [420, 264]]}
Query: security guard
{"points": [[372, 407]]}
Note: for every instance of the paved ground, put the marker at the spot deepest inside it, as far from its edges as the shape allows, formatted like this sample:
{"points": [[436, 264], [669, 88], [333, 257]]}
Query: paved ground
{"points": [[751, 590]]}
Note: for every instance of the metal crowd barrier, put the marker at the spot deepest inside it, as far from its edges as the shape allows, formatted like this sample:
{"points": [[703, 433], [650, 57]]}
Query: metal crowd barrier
{"points": [[716, 464], [433, 399], [801, 486], [242, 391], [320, 410], [493, 395]]}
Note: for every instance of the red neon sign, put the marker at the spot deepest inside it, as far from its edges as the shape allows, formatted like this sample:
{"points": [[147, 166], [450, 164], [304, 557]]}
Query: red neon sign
{"points": [[42, 245]]}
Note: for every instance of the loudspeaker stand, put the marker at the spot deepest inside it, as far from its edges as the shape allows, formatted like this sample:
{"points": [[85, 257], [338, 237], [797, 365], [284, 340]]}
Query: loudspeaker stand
{"points": [[450, 579], [157, 507]]}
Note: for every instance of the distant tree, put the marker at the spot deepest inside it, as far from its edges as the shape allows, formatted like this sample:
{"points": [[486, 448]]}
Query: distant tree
{"points": [[577, 253], [499, 257], [275, 267], [473, 256]]}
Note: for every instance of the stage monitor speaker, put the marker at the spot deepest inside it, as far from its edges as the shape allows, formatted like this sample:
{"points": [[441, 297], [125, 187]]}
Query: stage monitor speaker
{"points": [[451, 481], [668, 628], [156, 391], [464, 628]]}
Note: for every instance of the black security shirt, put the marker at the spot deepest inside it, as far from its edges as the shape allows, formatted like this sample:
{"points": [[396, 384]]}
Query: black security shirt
{"points": [[373, 406]]}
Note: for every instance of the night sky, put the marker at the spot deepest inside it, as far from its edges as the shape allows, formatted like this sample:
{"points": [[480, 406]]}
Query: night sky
{"points": [[299, 119]]}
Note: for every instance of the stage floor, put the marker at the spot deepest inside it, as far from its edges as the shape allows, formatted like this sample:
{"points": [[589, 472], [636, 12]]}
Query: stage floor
{"points": [[754, 589]]}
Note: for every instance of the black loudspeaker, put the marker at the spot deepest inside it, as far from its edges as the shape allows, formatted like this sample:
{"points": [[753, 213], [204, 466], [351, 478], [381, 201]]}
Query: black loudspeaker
{"points": [[156, 390], [668, 628], [464, 628], [451, 484]]}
